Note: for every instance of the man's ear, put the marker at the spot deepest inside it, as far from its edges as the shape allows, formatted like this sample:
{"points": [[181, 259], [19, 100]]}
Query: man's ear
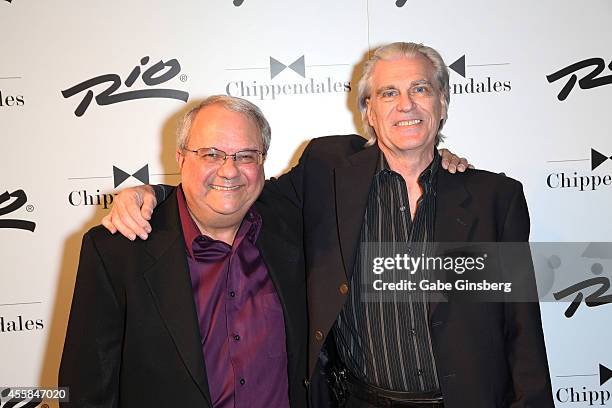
{"points": [[180, 158], [444, 107], [369, 112]]}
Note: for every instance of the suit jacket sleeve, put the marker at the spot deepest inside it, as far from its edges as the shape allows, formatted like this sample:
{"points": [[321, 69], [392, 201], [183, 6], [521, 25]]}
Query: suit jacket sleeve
{"points": [[290, 185], [92, 349], [523, 327]]}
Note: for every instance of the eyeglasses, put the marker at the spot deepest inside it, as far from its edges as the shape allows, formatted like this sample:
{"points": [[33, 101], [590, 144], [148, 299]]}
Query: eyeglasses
{"points": [[213, 155]]}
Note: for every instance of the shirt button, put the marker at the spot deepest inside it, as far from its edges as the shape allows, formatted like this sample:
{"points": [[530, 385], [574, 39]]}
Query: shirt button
{"points": [[237, 337], [402, 208], [233, 294], [419, 372], [412, 332], [242, 382], [343, 289], [318, 335], [306, 382]]}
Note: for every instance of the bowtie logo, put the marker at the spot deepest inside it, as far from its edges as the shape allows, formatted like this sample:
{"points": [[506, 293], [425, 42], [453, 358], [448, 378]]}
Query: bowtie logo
{"points": [[597, 159], [142, 175], [604, 374], [298, 66]]}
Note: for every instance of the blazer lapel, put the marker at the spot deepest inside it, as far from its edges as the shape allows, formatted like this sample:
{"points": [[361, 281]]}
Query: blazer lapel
{"points": [[454, 220], [281, 258], [170, 285], [352, 183]]}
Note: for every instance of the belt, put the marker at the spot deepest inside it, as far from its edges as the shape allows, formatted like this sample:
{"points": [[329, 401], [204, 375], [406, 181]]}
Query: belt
{"points": [[380, 397]]}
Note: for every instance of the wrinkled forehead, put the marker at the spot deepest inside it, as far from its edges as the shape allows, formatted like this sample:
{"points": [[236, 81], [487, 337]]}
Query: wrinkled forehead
{"points": [[218, 126], [403, 70]]}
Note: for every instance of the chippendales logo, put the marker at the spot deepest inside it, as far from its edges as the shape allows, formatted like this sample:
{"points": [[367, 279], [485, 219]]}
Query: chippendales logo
{"points": [[475, 83], [588, 81], [156, 74], [582, 180], [11, 202], [589, 395], [286, 80], [87, 196], [7, 100], [91, 193]]}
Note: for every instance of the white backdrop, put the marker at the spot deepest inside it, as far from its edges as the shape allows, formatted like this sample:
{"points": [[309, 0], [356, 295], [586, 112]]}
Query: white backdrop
{"points": [[56, 158]]}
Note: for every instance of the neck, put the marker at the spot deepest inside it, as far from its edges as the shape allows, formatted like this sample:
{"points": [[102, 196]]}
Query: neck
{"points": [[409, 164], [221, 231]]}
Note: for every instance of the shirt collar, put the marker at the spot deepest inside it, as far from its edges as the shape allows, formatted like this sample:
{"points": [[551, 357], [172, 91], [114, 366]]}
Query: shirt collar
{"points": [[427, 176], [249, 228]]}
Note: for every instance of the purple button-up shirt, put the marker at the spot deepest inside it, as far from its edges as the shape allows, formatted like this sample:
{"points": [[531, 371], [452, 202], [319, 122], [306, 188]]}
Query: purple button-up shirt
{"points": [[239, 314]]}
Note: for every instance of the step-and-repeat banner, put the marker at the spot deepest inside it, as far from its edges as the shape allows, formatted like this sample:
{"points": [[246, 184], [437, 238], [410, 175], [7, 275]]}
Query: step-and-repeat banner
{"points": [[90, 93]]}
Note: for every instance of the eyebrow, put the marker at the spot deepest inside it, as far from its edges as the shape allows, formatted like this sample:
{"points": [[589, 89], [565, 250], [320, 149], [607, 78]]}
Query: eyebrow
{"points": [[382, 89], [253, 148], [413, 83], [421, 82]]}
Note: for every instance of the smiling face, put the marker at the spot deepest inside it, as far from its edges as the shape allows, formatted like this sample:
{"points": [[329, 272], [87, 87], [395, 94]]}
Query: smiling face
{"points": [[405, 107], [219, 195]]}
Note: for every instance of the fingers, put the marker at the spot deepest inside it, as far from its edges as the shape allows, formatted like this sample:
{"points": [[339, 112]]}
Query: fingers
{"points": [[449, 160], [107, 223], [463, 164], [149, 203], [452, 162], [131, 217], [126, 216]]}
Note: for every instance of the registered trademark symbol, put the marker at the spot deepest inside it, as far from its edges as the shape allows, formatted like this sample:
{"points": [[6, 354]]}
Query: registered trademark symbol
{"points": [[183, 78], [29, 208]]}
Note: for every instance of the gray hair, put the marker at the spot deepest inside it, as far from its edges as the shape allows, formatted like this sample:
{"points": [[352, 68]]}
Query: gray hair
{"points": [[233, 104], [396, 50]]}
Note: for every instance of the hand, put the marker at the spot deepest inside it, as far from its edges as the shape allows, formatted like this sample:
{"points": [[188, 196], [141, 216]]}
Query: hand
{"points": [[454, 163], [131, 211]]}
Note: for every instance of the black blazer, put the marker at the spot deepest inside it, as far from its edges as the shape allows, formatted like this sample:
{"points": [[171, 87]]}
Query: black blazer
{"points": [[133, 338], [487, 356]]}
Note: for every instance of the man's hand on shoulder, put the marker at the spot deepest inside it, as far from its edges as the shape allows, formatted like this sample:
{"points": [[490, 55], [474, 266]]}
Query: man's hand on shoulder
{"points": [[131, 211], [453, 163]]}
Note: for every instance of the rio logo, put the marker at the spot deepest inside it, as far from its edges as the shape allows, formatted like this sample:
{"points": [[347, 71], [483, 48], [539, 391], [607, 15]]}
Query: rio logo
{"points": [[599, 285], [156, 74], [20, 199], [590, 80]]}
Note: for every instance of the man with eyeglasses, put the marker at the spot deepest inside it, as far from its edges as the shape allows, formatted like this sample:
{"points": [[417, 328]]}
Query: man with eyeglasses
{"points": [[210, 311], [407, 351]]}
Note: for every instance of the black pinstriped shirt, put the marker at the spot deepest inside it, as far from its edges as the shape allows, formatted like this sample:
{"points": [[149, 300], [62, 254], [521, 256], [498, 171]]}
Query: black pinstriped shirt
{"points": [[385, 341]]}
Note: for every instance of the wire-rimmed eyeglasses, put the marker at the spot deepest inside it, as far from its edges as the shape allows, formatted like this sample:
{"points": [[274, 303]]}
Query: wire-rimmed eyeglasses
{"points": [[213, 155]]}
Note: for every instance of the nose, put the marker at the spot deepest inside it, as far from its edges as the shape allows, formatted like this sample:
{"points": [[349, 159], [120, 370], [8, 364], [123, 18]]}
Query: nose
{"points": [[405, 102], [228, 170]]}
